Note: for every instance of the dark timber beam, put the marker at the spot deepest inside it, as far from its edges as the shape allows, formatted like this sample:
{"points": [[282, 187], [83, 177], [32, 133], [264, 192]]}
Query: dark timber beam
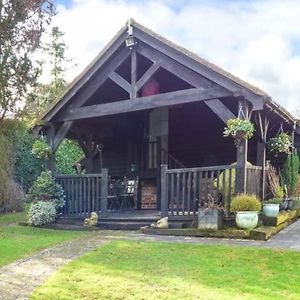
{"points": [[147, 75], [50, 140], [92, 69], [134, 68], [242, 154], [174, 67], [263, 123], [143, 103], [220, 110], [187, 60], [95, 82], [120, 81], [60, 135]]}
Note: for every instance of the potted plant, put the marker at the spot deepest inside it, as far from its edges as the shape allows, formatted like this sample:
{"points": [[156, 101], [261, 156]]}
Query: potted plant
{"points": [[246, 208], [295, 203], [211, 215], [282, 143], [271, 207], [239, 129]]}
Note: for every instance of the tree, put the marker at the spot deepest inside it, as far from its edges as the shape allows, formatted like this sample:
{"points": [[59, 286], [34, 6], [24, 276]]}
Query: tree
{"points": [[22, 23], [45, 93]]}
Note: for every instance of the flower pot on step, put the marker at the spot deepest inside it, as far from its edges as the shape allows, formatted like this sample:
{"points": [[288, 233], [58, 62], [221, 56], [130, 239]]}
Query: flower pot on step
{"points": [[271, 210], [246, 219]]}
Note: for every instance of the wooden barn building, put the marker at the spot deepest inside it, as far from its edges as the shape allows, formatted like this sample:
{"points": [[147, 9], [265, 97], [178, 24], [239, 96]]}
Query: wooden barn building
{"points": [[150, 116]]}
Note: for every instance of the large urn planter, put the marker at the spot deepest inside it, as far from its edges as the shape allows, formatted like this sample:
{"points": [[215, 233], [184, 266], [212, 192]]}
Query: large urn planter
{"points": [[246, 208], [246, 219], [271, 210]]}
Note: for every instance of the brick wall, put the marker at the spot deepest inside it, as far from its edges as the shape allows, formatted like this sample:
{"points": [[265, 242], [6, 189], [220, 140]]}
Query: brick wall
{"points": [[148, 194]]}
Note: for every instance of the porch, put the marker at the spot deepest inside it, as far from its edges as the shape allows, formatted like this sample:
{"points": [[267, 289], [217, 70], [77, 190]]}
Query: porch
{"points": [[181, 192]]}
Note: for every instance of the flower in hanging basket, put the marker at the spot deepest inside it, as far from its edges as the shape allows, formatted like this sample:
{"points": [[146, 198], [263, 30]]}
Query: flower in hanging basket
{"points": [[239, 129], [282, 143]]}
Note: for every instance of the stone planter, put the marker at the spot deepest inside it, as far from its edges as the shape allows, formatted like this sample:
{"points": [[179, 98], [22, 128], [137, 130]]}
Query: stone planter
{"points": [[284, 205], [295, 204], [290, 203], [210, 218], [271, 210], [246, 219]]}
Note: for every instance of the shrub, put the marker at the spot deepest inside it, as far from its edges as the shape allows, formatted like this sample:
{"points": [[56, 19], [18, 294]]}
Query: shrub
{"points": [[67, 154], [40, 148], [41, 213], [274, 201], [244, 202], [11, 194], [26, 167], [46, 189], [290, 171]]}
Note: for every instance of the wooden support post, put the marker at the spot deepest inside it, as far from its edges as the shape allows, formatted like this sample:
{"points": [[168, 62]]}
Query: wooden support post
{"points": [[163, 191], [134, 70], [263, 126], [158, 176], [242, 153], [104, 193], [50, 140], [261, 161]]}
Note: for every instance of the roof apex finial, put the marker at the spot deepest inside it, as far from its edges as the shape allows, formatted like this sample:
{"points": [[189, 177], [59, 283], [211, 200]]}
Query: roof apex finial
{"points": [[130, 21]]}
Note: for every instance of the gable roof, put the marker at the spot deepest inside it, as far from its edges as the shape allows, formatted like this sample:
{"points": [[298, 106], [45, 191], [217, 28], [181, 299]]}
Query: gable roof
{"points": [[117, 41]]}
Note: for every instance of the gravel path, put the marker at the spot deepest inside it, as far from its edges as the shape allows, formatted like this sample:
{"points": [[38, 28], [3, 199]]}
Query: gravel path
{"points": [[19, 279]]}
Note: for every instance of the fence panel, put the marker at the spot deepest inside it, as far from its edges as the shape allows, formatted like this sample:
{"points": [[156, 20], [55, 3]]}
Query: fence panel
{"points": [[82, 193], [187, 189]]}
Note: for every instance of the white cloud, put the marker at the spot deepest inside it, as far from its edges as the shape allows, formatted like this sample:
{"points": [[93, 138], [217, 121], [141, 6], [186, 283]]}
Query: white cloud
{"points": [[256, 40]]}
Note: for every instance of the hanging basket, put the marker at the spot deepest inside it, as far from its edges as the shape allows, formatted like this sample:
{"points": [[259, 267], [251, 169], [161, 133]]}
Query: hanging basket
{"points": [[239, 129], [241, 135], [282, 143]]}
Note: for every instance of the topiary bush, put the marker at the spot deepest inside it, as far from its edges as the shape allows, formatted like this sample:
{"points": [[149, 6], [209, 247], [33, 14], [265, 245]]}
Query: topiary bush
{"points": [[244, 202], [41, 213], [46, 189], [290, 171]]}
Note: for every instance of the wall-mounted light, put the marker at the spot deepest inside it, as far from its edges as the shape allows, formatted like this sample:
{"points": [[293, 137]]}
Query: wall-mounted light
{"points": [[130, 42]]}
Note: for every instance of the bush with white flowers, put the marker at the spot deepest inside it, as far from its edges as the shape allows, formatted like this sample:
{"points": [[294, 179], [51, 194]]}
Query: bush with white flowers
{"points": [[41, 213]]}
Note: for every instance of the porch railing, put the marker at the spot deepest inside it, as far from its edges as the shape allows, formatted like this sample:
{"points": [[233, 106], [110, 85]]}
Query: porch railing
{"points": [[254, 180], [84, 193], [184, 190]]}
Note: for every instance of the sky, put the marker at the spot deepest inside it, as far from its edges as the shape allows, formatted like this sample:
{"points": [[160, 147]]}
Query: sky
{"points": [[258, 41]]}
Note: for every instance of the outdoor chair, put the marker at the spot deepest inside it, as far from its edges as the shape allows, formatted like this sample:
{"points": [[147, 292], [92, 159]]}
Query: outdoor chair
{"points": [[115, 191], [129, 197]]}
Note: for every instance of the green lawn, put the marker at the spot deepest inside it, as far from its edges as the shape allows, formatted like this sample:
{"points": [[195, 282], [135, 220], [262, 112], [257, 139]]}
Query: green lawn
{"points": [[19, 241], [148, 270]]}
